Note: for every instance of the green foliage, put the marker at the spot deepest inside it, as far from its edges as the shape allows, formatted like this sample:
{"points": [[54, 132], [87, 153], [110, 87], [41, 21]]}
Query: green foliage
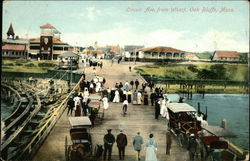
{"points": [[9, 64], [44, 64], [210, 71], [178, 73], [18, 61], [219, 71], [192, 68], [206, 55], [30, 65], [244, 57], [19, 64], [216, 72]]}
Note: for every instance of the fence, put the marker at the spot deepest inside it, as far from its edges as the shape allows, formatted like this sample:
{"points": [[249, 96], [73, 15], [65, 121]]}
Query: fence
{"points": [[159, 80]]}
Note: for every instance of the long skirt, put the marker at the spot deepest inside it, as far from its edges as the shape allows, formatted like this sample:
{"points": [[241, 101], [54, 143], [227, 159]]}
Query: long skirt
{"points": [[129, 98], [150, 154], [145, 101], [139, 100], [116, 99], [78, 111], [105, 105]]}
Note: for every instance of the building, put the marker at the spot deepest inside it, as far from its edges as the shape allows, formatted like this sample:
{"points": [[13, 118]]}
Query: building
{"points": [[14, 47], [100, 54], [191, 57], [48, 46], [226, 56], [115, 49], [158, 53], [130, 51]]}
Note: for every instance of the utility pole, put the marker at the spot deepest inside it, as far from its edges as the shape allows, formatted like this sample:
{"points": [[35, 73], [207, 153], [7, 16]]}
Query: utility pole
{"points": [[71, 70]]}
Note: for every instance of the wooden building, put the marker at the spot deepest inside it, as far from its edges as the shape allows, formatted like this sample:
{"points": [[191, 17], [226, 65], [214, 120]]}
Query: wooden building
{"points": [[158, 53], [14, 47], [226, 56], [191, 57], [48, 46]]}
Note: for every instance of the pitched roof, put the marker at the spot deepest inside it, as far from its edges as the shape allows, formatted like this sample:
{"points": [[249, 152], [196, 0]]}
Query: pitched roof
{"points": [[115, 49], [161, 49], [55, 41], [95, 51], [14, 47], [190, 56], [132, 47], [19, 41], [68, 54], [227, 54], [10, 31], [47, 26]]}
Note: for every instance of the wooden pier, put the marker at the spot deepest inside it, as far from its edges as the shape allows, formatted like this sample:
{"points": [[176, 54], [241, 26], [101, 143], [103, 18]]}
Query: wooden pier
{"points": [[139, 118]]}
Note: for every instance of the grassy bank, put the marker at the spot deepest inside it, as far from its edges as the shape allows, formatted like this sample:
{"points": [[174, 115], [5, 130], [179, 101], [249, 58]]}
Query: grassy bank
{"points": [[233, 72], [21, 65]]}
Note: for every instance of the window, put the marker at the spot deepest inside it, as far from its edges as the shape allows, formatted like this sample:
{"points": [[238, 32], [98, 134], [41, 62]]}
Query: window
{"points": [[161, 54], [58, 48], [34, 47]]}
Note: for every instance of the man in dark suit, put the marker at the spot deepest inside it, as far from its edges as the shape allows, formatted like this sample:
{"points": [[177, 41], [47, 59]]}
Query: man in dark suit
{"points": [[152, 98], [109, 140], [157, 108], [137, 83], [122, 142]]}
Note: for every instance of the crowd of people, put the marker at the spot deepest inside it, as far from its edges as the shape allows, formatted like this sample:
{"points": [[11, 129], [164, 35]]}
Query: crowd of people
{"points": [[129, 92]]}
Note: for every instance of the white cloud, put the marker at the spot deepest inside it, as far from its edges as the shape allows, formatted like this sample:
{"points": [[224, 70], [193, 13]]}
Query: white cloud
{"points": [[219, 40], [92, 12], [210, 41]]}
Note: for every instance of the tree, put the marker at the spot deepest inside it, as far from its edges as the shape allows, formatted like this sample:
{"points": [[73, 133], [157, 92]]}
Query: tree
{"points": [[219, 71], [192, 68]]}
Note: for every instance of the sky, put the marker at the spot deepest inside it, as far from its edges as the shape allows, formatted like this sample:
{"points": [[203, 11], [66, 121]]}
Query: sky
{"points": [[193, 26]]}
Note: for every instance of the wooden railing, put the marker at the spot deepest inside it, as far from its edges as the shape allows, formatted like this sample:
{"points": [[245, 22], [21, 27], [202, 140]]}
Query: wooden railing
{"points": [[30, 149]]}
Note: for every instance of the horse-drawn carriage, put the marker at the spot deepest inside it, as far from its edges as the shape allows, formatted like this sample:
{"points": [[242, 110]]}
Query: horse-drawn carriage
{"points": [[184, 120], [81, 146], [95, 105]]}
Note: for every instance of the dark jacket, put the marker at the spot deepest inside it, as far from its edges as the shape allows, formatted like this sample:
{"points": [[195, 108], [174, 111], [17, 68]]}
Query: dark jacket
{"points": [[109, 140], [192, 144], [153, 96], [121, 140]]}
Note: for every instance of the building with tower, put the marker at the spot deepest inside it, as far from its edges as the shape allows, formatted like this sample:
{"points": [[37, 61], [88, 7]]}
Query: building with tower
{"points": [[14, 47], [49, 46]]}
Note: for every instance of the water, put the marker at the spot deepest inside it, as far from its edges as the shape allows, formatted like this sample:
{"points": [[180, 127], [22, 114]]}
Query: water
{"points": [[232, 107], [5, 110]]}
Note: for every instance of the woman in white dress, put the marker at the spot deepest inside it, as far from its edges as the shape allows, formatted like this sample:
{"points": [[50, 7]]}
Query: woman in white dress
{"points": [[105, 102], [98, 87], [117, 97], [151, 147], [139, 95], [163, 107]]}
